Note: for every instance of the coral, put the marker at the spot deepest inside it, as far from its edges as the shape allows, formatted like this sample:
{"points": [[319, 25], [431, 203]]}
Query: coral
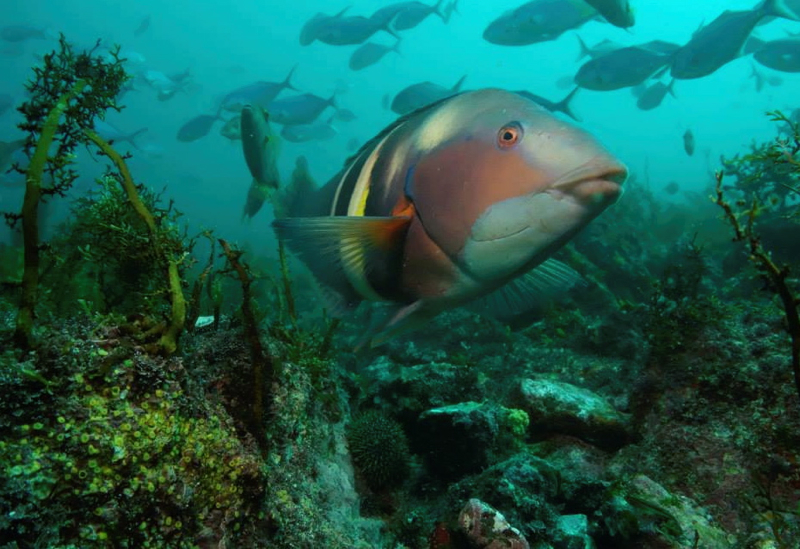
{"points": [[379, 449]]}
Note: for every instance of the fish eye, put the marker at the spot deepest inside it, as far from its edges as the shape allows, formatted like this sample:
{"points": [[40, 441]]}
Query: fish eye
{"points": [[509, 135]]}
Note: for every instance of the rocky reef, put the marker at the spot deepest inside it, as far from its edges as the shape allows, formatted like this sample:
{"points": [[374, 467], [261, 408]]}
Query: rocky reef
{"points": [[159, 389]]}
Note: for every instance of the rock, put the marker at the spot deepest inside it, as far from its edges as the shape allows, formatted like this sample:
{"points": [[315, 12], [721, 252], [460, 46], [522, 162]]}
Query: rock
{"points": [[644, 514], [525, 486], [572, 532], [560, 408], [487, 528], [455, 440]]}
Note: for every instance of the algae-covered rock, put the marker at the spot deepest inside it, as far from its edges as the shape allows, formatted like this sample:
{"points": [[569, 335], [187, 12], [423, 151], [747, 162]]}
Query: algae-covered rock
{"points": [[555, 407], [464, 438]]}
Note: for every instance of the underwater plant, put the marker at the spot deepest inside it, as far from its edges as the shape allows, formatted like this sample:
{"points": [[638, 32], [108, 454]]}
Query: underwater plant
{"points": [[768, 169], [66, 94]]}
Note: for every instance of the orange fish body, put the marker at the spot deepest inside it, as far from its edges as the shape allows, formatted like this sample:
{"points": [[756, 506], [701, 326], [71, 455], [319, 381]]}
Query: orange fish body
{"points": [[462, 200]]}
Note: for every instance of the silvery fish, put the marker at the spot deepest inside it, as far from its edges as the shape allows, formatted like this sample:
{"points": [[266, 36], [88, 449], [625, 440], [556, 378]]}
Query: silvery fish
{"points": [[197, 127], [418, 95], [780, 55], [538, 21], [622, 68], [260, 147], [258, 93], [112, 134], [688, 142], [308, 34], [232, 128], [654, 95], [462, 201], [369, 53], [722, 40], [302, 133], [350, 30], [408, 15], [616, 12], [299, 109]]}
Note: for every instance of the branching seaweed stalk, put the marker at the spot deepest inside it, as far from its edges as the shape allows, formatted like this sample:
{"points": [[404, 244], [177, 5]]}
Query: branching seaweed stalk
{"points": [[263, 368], [30, 226], [776, 276]]}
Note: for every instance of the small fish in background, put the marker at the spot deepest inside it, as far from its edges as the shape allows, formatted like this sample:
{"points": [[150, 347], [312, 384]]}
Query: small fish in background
{"points": [[112, 134], [654, 95], [259, 93], [538, 21], [449, 10], [12, 49], [344, 115], [428, 216], [6, 102], [144, 25], [196, 128], [353, 144], [308, 33], [386, 101], [672, 188], [622, 68], [688, 142], [299, 109], [407, 15], [370, 53], [232, 129], [302, 133], [166, 86], [349, 30], [418, 95], [560, 106], [616, 12], [780, 55], [716, 44], [23, 33], [260, 146], [601, 48]]}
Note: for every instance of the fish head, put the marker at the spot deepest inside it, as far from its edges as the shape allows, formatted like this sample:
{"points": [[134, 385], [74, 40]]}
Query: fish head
{"points": [[502, 183]]}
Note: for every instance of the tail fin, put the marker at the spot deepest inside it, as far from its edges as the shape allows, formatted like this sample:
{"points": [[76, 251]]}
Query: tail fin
{"points": [[457, 87], [287, 83], [779, 8], [131, 138], [585, 50], [396, 47], [671, 88], [563, 105], [332, 101], [437, 9], [450, 10]]}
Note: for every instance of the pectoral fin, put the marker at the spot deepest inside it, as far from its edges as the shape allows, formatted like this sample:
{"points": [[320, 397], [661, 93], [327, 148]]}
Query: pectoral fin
{"points": [[401, 320], [533, 289], [342, 251]]}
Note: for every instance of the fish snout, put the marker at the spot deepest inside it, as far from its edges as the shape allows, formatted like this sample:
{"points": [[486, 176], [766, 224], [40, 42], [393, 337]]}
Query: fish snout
{"points": [[597, 182]]}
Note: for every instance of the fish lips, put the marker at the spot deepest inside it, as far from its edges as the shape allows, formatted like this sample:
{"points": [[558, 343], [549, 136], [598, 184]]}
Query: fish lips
{"points": [[515, 235]]}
